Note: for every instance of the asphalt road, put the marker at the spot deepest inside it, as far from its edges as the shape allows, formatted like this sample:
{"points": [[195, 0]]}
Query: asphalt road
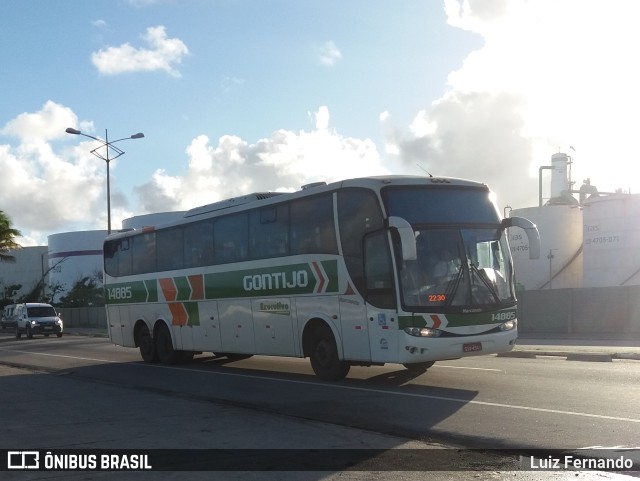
{"points": [[484, 402]]}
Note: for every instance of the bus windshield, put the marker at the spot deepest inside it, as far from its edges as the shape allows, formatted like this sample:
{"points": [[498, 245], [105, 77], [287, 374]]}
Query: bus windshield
{"points": [[462, 253], [466, 268]]}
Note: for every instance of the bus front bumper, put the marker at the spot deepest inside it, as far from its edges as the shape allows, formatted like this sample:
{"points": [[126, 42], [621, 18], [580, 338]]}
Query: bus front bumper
{"points": [[419, 349]]}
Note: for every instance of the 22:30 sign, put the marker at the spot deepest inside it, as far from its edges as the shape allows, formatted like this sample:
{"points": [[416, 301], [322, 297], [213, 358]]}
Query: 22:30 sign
{"points": [[437, 297]]}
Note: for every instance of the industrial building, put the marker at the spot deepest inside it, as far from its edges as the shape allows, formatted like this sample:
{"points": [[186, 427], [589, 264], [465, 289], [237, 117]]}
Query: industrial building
{"points": [[589, 241]]}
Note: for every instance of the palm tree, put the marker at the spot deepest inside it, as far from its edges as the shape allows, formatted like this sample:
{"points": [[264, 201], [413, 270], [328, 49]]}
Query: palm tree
{"points": [[7, 236]]}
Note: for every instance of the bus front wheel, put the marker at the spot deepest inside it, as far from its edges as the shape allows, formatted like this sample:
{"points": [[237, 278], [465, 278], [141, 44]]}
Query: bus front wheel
{"points": [[324, 356]]}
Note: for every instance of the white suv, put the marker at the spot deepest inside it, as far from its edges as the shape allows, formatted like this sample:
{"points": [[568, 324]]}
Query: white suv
{"points": [[35, 318]]}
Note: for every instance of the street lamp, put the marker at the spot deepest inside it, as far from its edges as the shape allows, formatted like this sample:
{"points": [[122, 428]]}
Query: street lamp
{"points": [[107, 159]]}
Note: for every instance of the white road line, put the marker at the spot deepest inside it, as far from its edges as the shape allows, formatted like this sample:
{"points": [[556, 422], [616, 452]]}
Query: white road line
{"points": [[349, 388], [62, 355], [465, 367]]}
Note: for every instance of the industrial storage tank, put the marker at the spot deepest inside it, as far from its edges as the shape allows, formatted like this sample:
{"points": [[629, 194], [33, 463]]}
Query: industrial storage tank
{"points": [[560, 262], [74, 256], [612, 240]]}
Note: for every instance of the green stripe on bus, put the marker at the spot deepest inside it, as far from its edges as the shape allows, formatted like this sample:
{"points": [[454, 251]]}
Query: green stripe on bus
{"points": [[193, 314], [152, 290], [184, 288]]}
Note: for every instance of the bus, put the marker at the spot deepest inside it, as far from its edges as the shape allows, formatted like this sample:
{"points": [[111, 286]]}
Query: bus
{"points": [[394, 269]]}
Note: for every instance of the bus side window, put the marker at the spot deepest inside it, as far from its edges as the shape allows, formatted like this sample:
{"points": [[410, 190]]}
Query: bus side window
{"points": [[124, 257], [231, 238], [378, 271], [358, 213], [269, 232], [198, 244], [169, 245], [312, 226], [111, 249], [144, 253]]}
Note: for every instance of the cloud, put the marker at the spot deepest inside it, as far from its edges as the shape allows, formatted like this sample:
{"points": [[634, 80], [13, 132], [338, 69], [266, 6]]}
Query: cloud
{"points": [[163, 54], [41, 126], [284, 162], [44, 191], [475, 135], [328, 54], [550, 74], [99, 23]]}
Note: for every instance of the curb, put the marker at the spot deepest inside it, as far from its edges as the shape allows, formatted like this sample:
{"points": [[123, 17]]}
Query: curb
{"points": [[574, 356]]}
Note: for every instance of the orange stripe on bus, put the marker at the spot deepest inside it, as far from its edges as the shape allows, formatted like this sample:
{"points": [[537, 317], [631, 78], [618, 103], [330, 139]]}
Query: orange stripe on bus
{"points": [[197, 287], [179, 313], [168, 289]]}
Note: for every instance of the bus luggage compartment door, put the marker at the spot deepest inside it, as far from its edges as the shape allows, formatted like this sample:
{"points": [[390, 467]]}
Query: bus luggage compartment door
{"points": [[236, 326], [273, 326]]}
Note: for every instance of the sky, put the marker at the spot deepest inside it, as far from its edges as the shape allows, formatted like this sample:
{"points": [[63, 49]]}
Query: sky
{"points": [[241, 96]]}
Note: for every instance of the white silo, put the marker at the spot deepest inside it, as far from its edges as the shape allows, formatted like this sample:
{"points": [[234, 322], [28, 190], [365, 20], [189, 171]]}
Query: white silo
{"points": [[560, 262], [74, 255], [612, 240]]}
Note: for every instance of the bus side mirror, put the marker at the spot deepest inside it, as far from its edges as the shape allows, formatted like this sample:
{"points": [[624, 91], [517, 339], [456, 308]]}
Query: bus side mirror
{"points": [[530, 229], [407, 237]]}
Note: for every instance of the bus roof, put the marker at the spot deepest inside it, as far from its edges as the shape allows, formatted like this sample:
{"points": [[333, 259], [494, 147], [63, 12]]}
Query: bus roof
{"points": [[374, 182]]}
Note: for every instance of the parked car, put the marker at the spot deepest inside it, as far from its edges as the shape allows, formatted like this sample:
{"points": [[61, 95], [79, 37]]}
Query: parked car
{"points": [[8, 317], [36, 318]]}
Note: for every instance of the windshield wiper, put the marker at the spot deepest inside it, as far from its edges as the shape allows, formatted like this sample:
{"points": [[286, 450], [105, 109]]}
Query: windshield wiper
{"points": [[452, 288], [485, 281]]}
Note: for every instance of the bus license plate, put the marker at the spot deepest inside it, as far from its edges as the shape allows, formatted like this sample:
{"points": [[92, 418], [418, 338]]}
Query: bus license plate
{"points": [[472, 347]]}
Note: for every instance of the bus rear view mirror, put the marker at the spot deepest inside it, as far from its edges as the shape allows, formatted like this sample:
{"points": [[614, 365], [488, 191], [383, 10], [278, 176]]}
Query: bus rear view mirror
{"points": [[530, 229], [407, 237]]}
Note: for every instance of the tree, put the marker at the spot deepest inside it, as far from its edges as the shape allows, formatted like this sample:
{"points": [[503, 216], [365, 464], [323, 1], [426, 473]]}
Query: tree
{"points": [[7, 238], [87, 291]]}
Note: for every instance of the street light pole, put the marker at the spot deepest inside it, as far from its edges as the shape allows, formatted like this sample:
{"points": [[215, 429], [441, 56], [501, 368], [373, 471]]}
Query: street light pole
{"points": [[107, 159]]}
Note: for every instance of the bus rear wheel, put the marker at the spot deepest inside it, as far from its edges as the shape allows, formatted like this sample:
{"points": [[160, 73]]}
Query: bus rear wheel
{"points": [[164, 346], [147, 345], [324, 356]]}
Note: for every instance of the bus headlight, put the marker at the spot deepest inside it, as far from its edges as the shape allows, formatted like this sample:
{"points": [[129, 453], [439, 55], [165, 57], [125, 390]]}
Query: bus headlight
{"points": [[422, 331], [509, 325]]}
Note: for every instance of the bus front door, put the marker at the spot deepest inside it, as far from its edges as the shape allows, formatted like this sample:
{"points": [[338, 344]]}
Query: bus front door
{"points": [[382, 316]]}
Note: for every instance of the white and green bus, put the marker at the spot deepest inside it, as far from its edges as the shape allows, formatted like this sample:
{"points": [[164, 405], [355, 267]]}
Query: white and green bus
{"points": [[395, 269]]}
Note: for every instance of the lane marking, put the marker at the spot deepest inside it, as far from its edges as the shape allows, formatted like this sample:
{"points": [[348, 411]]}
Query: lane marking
{"points": [[65, 357], [350, 388], [465, 367]]}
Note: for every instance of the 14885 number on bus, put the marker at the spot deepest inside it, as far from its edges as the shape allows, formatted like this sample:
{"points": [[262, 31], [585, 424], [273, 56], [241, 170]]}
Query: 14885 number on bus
{"points": [[118, 293]]}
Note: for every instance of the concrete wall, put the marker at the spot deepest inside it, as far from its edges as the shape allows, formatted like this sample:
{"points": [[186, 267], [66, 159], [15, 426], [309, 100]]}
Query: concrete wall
{"points": [[93, 317], [588, 312]]}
